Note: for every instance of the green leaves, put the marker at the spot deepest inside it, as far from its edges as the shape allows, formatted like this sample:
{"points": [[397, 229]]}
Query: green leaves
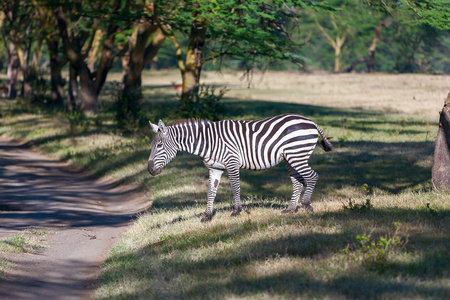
{"points": [[247, 30]]}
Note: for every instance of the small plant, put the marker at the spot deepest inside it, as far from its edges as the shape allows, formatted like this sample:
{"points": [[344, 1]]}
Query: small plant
{"points": [[375, 255], [356, 207], [360, 208], [77, 118]]}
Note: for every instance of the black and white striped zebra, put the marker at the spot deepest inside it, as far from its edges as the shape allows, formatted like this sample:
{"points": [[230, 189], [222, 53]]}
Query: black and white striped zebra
{"points": [[234, 144]]}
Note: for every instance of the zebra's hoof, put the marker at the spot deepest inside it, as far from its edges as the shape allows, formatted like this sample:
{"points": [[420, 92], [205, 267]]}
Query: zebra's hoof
{"points": [[289, 210], [236, 212], [206, 218], [308, 208]]}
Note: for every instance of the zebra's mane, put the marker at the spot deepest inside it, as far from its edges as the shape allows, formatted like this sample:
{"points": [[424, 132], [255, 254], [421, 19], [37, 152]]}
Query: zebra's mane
{"points": [[190, 122]]}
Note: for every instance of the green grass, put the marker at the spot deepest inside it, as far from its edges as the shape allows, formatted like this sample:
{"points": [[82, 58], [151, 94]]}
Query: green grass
{"points": [[381, 157], [26, 241]]}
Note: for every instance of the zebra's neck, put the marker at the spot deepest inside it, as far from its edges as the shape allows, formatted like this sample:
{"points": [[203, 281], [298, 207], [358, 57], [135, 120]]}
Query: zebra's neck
{"points": [[192, 136]]}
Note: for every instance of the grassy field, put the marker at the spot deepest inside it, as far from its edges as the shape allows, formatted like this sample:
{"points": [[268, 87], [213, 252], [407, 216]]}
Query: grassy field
{"points": [[378, 230]]}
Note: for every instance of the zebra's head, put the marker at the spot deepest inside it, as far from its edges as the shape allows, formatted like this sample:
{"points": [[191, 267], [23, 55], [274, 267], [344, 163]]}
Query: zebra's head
{"points": [[163, 150]]}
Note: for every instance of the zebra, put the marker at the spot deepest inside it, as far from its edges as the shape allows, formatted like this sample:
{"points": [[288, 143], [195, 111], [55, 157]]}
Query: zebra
{"points": [[232, 145]]}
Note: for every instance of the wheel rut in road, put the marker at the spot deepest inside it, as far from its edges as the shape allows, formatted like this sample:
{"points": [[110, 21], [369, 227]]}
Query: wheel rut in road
{"points": [[84, 218]]}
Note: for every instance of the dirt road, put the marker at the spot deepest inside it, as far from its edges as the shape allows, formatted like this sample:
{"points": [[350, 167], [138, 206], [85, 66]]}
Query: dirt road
{"points": [[84, 217]]}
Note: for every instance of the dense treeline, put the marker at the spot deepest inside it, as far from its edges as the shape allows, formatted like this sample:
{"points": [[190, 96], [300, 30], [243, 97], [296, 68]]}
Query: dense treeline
{"points": [[88, 38]]}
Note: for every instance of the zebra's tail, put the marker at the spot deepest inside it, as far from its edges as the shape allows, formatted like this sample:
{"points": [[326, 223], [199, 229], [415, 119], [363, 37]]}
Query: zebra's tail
{"points": [[324, 143]]}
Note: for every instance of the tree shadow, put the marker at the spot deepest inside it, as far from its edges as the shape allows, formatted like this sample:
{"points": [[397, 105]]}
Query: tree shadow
{"points": [[262, 109]]}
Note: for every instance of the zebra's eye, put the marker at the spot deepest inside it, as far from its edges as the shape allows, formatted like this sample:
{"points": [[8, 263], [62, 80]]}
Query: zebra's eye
{"points": [[159, 146]]}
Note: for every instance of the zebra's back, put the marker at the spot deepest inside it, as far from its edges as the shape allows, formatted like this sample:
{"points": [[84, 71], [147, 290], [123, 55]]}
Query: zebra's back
{"points": [[262, 144]]}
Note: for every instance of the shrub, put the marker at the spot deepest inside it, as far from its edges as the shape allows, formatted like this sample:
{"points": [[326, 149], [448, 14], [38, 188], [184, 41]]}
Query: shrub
{"points": [[129, 113], [360, 208], [202, 103], [77, 118], [375, 255]]}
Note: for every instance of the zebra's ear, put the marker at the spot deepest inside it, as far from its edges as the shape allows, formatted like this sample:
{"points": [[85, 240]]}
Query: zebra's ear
{"points": [[154, 127], [162, 127]]}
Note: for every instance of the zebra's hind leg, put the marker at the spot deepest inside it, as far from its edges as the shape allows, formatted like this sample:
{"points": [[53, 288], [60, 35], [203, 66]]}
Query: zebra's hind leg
{"points": [[311, 178], [213, 185], [297, 187], [302, 173]]}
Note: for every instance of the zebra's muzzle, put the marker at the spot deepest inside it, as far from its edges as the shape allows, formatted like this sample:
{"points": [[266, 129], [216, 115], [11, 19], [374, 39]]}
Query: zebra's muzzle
{"points": [[152, 170]]}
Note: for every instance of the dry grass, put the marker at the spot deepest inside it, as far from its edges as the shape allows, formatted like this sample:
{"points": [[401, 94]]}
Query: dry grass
{"points": [[411, 94]]}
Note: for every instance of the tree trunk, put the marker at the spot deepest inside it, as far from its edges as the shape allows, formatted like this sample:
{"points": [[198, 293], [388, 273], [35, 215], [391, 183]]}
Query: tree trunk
{"points": [[12, 71], [140, 55], [24, 55], [88, 91], [440, 172], [337, 59], [193, 66], [73, 89], [57, 87], [132, 77], [369, 60]]}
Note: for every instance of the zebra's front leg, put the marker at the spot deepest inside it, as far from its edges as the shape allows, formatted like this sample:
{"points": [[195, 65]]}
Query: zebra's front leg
{"points": [[213, 185], [233, 174]]}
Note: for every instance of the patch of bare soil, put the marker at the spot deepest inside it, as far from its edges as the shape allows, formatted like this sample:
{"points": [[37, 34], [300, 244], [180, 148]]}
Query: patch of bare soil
{"points": [[84, 215]]}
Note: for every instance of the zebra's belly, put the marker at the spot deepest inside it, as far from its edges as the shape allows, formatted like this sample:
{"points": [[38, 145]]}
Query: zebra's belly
{"points": [[257, 165], [214, 164]]}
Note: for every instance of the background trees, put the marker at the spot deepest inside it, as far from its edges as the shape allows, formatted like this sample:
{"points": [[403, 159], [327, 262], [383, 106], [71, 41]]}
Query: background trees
{"points": [[88, 38]]}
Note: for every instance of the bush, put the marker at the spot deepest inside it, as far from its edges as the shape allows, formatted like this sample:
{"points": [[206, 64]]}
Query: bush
{"points": [[129, 114], [375, 255], [77, 118], [202, 103]]}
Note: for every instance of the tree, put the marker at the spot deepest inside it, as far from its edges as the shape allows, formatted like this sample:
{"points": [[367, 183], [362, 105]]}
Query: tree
{"points": [[351, 31], [249, 30], [336, 27], [141, 52], [440, 172], [369, 59], [143, 44], [48, 32], [13, 27], [79, 22], [434, 13]]}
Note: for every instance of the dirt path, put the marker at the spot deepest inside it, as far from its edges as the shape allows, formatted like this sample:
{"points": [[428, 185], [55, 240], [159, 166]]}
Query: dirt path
{"points": [[85, 218]]}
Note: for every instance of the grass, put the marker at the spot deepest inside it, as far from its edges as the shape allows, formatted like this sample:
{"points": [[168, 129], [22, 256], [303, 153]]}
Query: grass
{"points": [[26, 241], [378, 175]]}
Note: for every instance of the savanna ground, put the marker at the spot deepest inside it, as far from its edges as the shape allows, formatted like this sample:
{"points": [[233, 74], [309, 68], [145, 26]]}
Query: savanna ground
{"points": [[378, 230]]}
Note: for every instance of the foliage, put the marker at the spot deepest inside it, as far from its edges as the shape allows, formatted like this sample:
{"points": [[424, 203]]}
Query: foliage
{"points": [[360, 208], [376, 255], [129, 113], [406, 44], [40, 87], [435, 13], [203, 103], [77, 119], [248, 30]]}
